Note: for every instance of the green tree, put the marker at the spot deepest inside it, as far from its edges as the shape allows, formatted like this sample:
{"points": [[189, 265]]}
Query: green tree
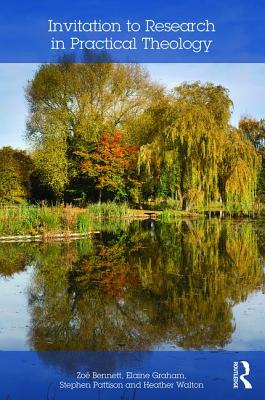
{"points": [[254, 130], [191, 139], [72, 104], [238, 172], [16, 167]]}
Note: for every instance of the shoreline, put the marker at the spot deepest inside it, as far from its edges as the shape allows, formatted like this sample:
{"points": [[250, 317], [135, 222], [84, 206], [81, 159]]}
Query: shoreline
{"points": [[46, 237], [91, 227]]}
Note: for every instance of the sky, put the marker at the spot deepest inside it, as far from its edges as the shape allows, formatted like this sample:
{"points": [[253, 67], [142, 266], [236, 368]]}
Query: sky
{"points": [[246, 83]]}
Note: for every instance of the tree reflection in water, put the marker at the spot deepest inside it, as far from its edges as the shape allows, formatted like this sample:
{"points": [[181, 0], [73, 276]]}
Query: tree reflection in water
{"points": [[139, 287]]}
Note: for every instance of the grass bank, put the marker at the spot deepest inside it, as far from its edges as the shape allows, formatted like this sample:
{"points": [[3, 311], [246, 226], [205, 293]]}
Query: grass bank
{"points": [[49, 221], [34, 220]]}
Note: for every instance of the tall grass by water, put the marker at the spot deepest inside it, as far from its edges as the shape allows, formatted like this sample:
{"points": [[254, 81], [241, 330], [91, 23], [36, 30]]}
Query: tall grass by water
{"points": [[30, 220]]}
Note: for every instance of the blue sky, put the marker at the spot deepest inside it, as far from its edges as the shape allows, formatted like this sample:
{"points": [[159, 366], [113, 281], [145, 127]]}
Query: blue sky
{"points": [[246, 83]]}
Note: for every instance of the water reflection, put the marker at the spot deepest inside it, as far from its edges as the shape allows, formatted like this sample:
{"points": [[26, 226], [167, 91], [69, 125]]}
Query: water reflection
{"points": [[140, 286]]}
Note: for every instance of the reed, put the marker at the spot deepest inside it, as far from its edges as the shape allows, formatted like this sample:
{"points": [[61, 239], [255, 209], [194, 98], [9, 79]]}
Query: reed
{"points": [[21, 220]]}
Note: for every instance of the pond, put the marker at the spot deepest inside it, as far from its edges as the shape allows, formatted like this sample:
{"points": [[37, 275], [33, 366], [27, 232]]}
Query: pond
{"points": [[144, 285]]}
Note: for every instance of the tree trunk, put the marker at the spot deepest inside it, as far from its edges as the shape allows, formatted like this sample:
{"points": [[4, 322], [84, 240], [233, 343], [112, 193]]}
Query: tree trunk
{"points": [[100, 196], [184, 204]]}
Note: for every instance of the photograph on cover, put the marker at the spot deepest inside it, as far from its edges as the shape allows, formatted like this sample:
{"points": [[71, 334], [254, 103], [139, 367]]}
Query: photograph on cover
{"points": [[132, 207], [132, 200]]}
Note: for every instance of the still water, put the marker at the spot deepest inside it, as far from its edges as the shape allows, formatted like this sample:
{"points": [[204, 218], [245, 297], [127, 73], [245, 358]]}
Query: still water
{"points": [[193, 284]]}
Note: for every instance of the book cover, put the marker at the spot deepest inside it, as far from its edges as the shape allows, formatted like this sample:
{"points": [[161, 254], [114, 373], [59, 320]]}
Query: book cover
{"points": [[132, 200]]}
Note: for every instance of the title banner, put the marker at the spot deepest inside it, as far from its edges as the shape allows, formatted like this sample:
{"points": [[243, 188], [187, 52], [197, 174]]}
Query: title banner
{"points": [[152, 31]]}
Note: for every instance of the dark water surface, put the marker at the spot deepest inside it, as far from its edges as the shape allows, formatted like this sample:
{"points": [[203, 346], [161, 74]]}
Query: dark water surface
{"points": [[195, 284]]}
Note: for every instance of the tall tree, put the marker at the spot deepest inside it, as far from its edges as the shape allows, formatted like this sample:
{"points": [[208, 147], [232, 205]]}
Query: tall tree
{"points": [[190, 139], [72, 104], [238, 172], [254, 131]]}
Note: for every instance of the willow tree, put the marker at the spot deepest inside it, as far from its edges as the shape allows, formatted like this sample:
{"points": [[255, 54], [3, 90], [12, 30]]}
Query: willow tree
{"points": [[191, 141], [254, 131], [238, 172]]}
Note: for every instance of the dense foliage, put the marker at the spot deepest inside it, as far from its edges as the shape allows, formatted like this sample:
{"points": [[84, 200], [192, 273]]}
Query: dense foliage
{"points": [[254, 131], [15, 175], [195, 156], [107, 132]]}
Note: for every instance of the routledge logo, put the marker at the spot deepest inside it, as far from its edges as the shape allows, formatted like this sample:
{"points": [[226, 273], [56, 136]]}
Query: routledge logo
{"points": [[242, 377]]}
